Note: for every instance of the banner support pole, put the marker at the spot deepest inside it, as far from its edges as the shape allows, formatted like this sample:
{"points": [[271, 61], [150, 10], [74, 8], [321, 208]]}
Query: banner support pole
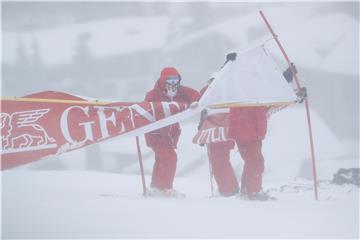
{"points": [[306, 103], [211, 175], [141, 166]]}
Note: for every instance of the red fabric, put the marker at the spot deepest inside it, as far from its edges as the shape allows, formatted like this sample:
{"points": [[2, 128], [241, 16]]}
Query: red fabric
{"points": [[248, 126], [169, 135], [248, 123], [164, 168], [212, 128], [250, 152], [219, 156]]}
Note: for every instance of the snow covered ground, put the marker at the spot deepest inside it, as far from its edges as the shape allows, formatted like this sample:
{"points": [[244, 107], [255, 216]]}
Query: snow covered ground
{"points": [[84, 204], [72, 204]]}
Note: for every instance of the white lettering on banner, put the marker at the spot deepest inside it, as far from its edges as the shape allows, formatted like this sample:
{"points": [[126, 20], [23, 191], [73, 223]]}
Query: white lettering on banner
{"points": [[204, 134], [222, 132], [103, 120], [212, 135], [65, 126], [142, 112], [220, 136], [108, 115], [121, 126], [166, 107]]}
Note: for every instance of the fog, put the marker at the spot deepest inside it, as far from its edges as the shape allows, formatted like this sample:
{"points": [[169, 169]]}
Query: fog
{"points": [[116, 50]]}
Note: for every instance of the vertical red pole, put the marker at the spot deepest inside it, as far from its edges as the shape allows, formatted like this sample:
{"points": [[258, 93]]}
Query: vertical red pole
{"points": [[306, 103], [141, 166]]}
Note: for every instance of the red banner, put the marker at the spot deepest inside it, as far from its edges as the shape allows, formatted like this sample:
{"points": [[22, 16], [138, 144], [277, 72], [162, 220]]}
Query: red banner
{"points": [[213, 129], [49, 123]]}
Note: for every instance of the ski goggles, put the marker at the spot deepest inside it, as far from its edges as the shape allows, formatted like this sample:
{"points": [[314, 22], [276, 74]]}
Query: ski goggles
{"points": [[172, 82]]}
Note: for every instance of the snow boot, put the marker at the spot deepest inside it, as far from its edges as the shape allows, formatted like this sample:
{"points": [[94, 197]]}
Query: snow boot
{"points": [[165, 193], [260, 196]]}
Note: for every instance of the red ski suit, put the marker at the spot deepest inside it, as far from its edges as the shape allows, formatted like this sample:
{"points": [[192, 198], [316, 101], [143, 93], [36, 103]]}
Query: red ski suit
{"points": [[248, 126], [164, 141], [219, 157]]}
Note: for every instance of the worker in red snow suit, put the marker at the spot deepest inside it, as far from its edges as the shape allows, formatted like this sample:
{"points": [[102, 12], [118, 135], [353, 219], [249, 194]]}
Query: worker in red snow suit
{"points": [[164, 141], [247, 126], [218, 149]]}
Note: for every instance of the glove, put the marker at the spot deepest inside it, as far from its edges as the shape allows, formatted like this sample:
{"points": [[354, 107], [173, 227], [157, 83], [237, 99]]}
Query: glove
{"points": [[231, 56], [202, 118], [288, 73], [301, 95], [204, 113]]}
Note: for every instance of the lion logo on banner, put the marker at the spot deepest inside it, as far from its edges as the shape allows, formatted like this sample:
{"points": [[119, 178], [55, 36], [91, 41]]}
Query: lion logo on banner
{"points": [[20, 130]]}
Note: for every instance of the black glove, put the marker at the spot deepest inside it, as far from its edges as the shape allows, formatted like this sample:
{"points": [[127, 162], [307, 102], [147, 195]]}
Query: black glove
{"points": [[202, 118], [301, 95], [288, 73], [231, 56], [204, 113]]}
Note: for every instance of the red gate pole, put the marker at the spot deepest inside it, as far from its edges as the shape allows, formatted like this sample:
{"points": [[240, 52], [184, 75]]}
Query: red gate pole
{"points": [[306, 102], [141, 166]]}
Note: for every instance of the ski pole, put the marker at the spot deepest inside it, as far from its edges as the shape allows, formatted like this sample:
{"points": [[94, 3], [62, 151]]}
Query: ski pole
{"points": [[141, 166], [211, 173], [306, 102]]}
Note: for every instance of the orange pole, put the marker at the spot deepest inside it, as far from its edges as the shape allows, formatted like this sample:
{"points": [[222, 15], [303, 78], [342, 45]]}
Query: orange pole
{"points": [[306, 103], [141, 166]]}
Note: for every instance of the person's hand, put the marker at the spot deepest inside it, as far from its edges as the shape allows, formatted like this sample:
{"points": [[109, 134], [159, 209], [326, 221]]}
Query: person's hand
{"points": [[301, 95], [288, 75]]}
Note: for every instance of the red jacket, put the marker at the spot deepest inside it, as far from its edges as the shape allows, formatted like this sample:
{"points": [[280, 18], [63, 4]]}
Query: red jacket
{"points": [[168, 136], [248, 123]]}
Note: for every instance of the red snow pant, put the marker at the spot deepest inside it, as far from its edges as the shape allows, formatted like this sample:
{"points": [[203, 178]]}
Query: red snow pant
{"points": [[219, 157], [250, 151], [164, 168]]}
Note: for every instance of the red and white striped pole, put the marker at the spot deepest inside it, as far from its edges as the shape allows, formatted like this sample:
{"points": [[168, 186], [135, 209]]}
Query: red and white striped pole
{"points": [[141, 166], [306, 102]]}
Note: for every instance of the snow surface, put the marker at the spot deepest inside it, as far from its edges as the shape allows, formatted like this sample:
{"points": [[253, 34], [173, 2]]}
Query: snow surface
{"points": [[71, 204], [86, 204]]}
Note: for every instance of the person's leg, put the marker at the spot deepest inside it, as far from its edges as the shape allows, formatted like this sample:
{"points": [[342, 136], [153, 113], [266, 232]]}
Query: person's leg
{"points": [[164, 168], [219, 156], [250, 152]]}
